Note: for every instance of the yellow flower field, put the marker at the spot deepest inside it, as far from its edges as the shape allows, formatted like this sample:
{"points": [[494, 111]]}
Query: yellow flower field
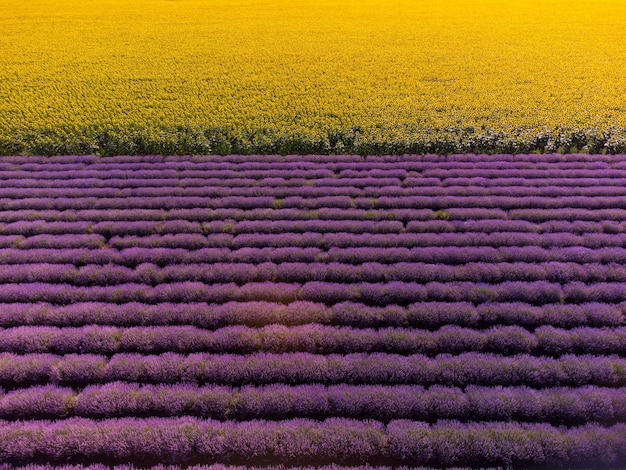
{"points": [[364, 76]]}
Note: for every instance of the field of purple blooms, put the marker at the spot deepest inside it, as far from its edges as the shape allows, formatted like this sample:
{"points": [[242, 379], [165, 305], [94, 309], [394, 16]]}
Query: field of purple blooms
{"points": [[313, 312]]}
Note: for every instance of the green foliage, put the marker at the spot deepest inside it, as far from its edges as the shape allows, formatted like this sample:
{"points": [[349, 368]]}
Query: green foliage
{"points": [[181, 140]]}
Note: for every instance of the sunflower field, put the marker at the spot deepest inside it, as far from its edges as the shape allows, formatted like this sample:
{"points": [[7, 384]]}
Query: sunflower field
{"points": [[111, 77]]}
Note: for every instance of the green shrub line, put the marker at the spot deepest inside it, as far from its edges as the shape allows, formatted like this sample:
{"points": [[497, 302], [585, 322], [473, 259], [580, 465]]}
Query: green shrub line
{"points": [[185, 140]]}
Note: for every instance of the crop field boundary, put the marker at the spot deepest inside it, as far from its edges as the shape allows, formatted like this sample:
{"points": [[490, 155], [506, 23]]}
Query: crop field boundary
{"points": [[184, 140]]}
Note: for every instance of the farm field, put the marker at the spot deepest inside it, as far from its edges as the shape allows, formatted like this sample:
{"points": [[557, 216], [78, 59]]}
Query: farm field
{"points": [[313, 311], [113, 77]]}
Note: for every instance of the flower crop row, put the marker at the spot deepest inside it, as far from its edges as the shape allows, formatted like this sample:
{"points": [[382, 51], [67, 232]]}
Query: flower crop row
{"points": [[451, 255], [398, 216], [179, 440], [428, 315], [215, 466], [471, 368], [243, 273], [394, 185], [28, 228], [562, 406], [326, 241], [383, 196], [454, 203], [534, 293], [318, 339], [334, 177]]}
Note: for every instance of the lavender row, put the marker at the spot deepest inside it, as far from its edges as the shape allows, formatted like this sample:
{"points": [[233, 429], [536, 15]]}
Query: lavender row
{"points": [[135, 181], [220, 191], [435, 190], [534, 293], [243, 273], [514, 180], [215, 466], [317, 191], [188, 165], [29, 228], [317, 339], [156, 173], [221, 215], [18, 371], [562, 406], [55, 241], [399, 215], [255, 170], [313, 203], [133, 257], [325, 241], [543, 215], [326, 159], [429, 315], [521, 226], [172, 227], [569, 406], [362, 178], [144, 228], [189, 440], [318, 172], [526, 173]]}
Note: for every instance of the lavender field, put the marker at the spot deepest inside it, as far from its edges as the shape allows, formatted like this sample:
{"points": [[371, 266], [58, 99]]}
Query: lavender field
{"points": [[225, 312]]}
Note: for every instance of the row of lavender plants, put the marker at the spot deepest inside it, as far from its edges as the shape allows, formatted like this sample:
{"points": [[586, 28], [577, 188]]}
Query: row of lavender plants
{"points": [[326, 241], [400, 169], [243, 273], [425, 315], [215, 466], [319, 339], [505, 203], [470, 368], [381, 194], [312, 171], [403, 293], [395, 220], [190, 440], [450, 255], [218, 466], [558, 406], [29, 228], [132, 179]]}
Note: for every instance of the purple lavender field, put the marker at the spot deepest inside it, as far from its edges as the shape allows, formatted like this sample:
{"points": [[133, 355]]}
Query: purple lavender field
{"points": [[331, 312]]}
